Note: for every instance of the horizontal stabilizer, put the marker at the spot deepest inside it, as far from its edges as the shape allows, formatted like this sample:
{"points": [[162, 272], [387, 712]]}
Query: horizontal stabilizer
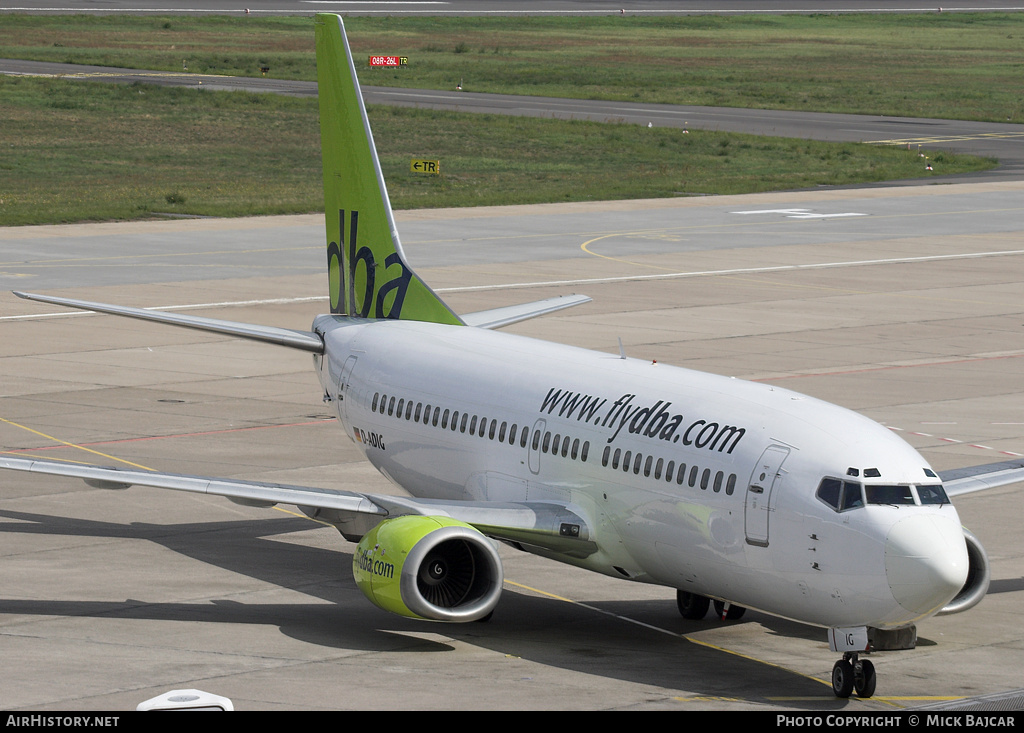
{"points": [[304, 340], [506, 316]]}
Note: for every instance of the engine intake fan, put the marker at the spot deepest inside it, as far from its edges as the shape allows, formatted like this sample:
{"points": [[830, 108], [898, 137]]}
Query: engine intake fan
{"points": [[429, 567]]}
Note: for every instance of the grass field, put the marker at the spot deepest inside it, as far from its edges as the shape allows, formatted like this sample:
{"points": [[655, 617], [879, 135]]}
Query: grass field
{"points": [[84, 151], [949, 65]]}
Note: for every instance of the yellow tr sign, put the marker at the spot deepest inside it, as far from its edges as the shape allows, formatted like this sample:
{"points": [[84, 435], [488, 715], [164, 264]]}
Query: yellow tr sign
{"points": [[426, 166]]}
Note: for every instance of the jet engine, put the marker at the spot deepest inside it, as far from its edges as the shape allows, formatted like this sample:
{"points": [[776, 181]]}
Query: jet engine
{"points": [[978, 577], [433, 568]]}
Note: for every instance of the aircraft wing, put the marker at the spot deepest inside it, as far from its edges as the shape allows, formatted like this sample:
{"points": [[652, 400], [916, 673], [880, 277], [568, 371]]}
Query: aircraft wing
{"points": [[553, 526], [978, 478]]}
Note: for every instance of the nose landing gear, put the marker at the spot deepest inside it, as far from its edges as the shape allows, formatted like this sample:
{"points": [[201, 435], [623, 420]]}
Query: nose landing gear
{"points": [[852, 673]]}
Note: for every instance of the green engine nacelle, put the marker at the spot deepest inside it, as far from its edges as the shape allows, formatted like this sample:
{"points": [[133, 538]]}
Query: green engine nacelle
{"points": [[432, 568]]}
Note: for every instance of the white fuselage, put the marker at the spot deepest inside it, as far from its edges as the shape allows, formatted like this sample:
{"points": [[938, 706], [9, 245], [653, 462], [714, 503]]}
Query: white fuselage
{"points": [[698, 482]]}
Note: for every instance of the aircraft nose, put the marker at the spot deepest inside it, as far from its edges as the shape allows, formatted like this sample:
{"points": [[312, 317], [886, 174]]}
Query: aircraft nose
{"points": [[925, 561]]}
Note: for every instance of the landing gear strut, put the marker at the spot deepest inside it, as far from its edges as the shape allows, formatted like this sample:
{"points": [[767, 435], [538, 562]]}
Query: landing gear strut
{"points": [[852, 673]]}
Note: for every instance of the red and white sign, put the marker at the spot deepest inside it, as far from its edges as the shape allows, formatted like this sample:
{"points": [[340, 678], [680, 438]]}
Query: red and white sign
{"points": [[388, 60]]}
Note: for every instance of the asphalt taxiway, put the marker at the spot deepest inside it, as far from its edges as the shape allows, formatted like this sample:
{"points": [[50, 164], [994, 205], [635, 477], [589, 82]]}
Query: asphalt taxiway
{"points": [[906, 304]]}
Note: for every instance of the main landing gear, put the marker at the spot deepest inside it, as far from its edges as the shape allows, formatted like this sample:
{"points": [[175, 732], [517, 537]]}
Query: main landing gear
{"points": [[695, 607], [852, 673]]}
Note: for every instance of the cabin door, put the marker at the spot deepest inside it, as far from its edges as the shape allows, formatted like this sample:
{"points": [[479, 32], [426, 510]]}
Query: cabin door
{"points": [[761, 493], [534, 446], [344, 379]]}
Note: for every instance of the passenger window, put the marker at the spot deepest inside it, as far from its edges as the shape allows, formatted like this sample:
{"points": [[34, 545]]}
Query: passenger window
{"points": [[586, 451], [718, 482], [730, 485]]}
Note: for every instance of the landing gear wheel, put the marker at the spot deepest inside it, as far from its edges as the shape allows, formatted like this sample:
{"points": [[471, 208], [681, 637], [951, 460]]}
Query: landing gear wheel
{"points": [[735, 613], [691, 605], [863, 678], [842, 678]]}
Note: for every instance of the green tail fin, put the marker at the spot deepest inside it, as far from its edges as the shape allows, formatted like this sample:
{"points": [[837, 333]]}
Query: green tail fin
{"points": [[368, 274]]}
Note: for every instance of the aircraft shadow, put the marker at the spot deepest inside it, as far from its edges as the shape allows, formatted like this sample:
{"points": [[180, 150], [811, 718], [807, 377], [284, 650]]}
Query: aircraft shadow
{"points": [[541, 630]]}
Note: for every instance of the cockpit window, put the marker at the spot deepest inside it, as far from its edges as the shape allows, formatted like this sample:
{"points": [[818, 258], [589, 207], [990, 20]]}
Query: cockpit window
{"points": [[932, 494], [845, 495], [889, 494], [829, 492], [840, 495], [852, 497]]}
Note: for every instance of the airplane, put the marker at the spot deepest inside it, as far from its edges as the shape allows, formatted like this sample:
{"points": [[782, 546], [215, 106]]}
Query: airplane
{"points": [[733, 493]]}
